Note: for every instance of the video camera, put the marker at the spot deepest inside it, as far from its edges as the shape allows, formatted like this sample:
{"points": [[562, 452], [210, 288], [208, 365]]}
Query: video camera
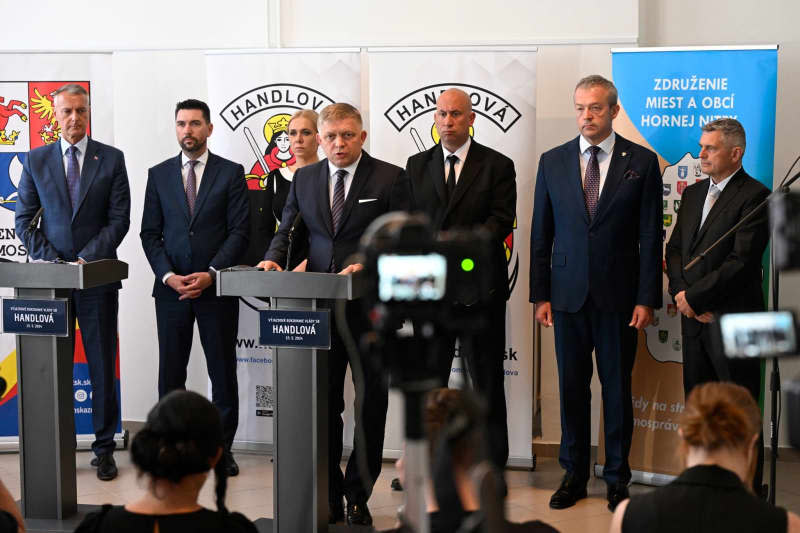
{"points": [[415, 274], [765, 335]]}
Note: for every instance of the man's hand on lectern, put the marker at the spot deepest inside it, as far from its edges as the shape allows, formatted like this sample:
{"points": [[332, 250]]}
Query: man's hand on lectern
{"points": [[355, 267], [269, 265]]}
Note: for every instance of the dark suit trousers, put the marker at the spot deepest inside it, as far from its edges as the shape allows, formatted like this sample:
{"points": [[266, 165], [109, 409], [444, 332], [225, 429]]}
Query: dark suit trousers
{"points": [[217, 322], [614, 342], [96, 310], [353, 484], [704, 361], [483, 358]]}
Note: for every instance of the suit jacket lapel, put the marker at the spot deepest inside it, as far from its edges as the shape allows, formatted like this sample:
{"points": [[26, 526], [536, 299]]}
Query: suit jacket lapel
{"points": [[620, 159], [206, 184], [323, 198], [435, 170], [359, 180], [728, 194], [571, 161], [91, 162], [472, 166], [175, 184], [55, 164]]}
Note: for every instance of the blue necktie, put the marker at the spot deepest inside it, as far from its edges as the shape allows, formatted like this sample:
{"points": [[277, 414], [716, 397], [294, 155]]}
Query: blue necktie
{"points": [[73, 176]]}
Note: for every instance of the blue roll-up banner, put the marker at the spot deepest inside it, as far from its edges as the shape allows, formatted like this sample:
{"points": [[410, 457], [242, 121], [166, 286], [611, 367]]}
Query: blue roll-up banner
{"points": [[666, 96]]}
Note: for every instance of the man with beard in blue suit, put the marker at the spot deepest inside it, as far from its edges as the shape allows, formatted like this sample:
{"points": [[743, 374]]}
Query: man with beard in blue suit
{"points": [[82, 185], [596, 276], [195, 222]]}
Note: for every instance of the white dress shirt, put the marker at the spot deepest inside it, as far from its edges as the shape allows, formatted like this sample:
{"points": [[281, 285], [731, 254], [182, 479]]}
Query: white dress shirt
{"points": [[348, 179], [719, 186], [80, 145], [199, 168], [603, 158], [461, 154]]}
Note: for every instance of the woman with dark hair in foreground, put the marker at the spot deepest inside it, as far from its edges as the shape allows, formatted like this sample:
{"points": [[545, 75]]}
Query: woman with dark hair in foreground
{"points": [[180, 442], [720, 429]]}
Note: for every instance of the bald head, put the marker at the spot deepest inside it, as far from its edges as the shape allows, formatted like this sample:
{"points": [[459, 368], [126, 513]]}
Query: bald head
{"points": [[454, 117]]}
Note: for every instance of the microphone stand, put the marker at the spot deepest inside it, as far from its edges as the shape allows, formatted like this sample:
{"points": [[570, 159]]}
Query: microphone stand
{"points": [[775, 376], [295, 223]]}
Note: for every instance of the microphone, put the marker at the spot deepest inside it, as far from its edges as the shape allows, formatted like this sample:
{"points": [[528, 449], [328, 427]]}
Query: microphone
{"points": [[295, 223], [35, 219], [31, 227]]}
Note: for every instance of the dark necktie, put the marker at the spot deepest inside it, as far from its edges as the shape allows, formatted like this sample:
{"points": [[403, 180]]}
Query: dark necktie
{"points": [[73, 175], [191, 186], [337, 207], [451, 176], [591, 182]]}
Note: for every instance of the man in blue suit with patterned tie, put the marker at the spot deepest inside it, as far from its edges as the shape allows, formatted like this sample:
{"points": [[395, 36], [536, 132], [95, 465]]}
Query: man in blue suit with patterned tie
{"points": [[195, 222], [596, 276], [339, 197], [82, 187]]}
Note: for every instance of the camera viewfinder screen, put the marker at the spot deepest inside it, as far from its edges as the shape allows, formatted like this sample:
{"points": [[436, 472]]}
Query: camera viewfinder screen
{"points": [[765, 334], [410, 278]]}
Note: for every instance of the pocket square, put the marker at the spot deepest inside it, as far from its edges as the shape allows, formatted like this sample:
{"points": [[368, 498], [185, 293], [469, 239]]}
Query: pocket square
{"points": [[631, 175], [365, 200]]}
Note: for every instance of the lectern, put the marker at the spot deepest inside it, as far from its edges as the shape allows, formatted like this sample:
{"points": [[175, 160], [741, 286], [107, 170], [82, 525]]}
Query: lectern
{"points": [[44, 380], [300, 381]]}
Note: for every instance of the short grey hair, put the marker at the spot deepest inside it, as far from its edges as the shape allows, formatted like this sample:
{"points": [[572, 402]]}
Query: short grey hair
{"points": [[340, 111], [72, 88], [731, 129], [595, 80]]}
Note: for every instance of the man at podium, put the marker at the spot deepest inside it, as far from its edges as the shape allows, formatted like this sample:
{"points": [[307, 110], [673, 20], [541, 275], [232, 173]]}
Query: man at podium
{"points": [[79, 189], [337, 199]]}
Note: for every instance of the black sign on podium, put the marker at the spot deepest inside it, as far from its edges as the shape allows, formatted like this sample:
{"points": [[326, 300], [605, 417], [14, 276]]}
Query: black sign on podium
{"points": [[300, 381], [44, 380]]}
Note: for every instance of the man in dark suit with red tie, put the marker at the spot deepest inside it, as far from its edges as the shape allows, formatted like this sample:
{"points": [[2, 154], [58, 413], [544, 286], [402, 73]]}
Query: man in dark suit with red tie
{"points": [[338, 198], [461, 184], [728, 279], [596, 276], [82, 186], [195, 222]]}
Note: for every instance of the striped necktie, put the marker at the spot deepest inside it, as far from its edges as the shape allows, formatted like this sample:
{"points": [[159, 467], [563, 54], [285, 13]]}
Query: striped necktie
{"points": [[337, 207]]}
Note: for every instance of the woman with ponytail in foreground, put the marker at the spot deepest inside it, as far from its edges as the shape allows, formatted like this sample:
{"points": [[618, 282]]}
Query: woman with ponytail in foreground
{"points": [[720, 429], [180, 442]]}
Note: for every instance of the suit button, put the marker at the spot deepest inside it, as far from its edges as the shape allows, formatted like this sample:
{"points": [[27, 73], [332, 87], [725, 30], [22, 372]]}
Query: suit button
{"points": [[191, 234], [591, 234]]}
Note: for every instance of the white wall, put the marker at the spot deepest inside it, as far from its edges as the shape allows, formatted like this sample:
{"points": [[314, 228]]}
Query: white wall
{"points": [[96, 25], [455, 22]]}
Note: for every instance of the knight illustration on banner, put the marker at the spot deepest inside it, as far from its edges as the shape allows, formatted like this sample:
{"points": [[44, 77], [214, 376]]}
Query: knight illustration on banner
{"points": [[277, 154]]}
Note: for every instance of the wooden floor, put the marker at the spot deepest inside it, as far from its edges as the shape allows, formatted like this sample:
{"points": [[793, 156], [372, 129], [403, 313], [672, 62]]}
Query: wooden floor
{"points": [[251, 492]]}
